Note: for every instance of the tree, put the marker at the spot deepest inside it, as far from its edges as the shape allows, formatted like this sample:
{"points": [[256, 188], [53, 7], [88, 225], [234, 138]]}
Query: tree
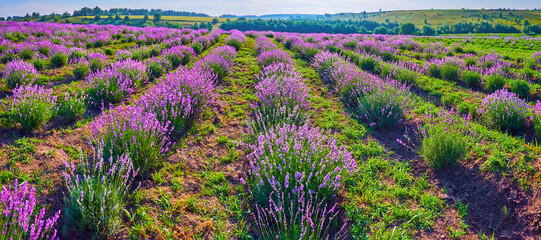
{"points": [[97, 17], [407, 29], [117, 17], [215, 20], [380, 30], [526, 27], [428, 31], [127, 18], [146, 17], [157, 17]]}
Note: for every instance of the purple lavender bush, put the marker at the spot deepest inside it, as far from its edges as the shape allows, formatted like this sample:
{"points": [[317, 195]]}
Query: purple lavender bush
{"points": [[108, 86], [31, 106], [97, 191], [180, 97], [133, 131], [179, 55], [273, 56], [215, 63], [136, 71], [73, 106], [297, 158], [282, 100], [19, 219], [309, 218], [227, 52], [18, 73], [157, 67], [503, 110], [236, 39]]}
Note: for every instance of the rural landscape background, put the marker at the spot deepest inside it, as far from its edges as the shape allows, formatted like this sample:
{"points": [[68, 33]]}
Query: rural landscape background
{"points": [[270, 120]]}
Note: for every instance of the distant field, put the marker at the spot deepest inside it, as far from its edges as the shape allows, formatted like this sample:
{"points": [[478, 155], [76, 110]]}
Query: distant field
{"points": [[169, 18], [440, 17]]}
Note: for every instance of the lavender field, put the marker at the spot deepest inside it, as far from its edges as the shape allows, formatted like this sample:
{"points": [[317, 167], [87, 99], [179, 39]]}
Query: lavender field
{"points": [[121, 132]]}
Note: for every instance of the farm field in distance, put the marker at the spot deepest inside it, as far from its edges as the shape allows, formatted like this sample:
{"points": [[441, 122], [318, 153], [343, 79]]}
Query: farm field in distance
{"points": [[123, 132]]}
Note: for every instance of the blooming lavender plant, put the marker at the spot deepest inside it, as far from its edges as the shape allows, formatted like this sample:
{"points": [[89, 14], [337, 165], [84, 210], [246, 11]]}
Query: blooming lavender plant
{"points": [[290, 157], [215, 63], [108, 86], [179, 55], [503, 110], [136, 71], [74, 105], [31, 106], [309, 218], [19, 219], [18, 73], [236, 39], [273, 56], [227, 52], [97, 191], [180, 97], [157, 67], [133, 131]]}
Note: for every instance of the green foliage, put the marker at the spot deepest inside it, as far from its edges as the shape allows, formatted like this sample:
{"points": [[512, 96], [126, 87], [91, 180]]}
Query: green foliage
{"points": [[39, 64], [407, 29], [471, 78], [442, 145], [97, 192], [59, 59], [494, 82], [449, 72], [520, 87], [81, 71], [73, 106]]}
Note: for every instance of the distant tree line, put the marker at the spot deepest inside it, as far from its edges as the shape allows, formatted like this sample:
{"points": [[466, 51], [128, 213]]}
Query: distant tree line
{"points": [[482, 27], [306, 26], [86, 11], [366, 26]]}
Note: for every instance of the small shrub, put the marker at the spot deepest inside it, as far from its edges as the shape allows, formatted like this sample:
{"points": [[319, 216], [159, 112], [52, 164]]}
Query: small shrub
{"points": [[31, 106], [503, 110], [108, 86], [180, 98], [26, 54], [179, 55], [19, 73], [216, 63], [20, 219], [441, 145], [273, 56], [157, 67], [434, 71], [236, 40], [520, 87], [97, 191], [309, 218], [73, 106], [59, 59], [131, 130], [81, 71], [471, 78], [198, 47], [494, 82], [368, 63], [282, 100], [309, 162], [450, 72], [39, 64], [378, 102]]}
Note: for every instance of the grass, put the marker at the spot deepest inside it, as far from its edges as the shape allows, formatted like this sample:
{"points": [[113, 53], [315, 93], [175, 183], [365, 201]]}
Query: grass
{"points": [[439, 17]]}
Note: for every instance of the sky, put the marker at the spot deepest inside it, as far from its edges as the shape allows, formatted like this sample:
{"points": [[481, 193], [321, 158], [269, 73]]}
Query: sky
{"points": [[257, 7]]}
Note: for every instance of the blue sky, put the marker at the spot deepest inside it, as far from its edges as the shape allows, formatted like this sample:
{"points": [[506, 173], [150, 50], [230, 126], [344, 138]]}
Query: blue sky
{"points": [[257, 7]]}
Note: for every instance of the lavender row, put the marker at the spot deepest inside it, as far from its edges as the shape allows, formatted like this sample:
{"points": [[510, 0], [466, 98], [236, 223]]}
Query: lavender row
{"points": [[296, 170]]}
